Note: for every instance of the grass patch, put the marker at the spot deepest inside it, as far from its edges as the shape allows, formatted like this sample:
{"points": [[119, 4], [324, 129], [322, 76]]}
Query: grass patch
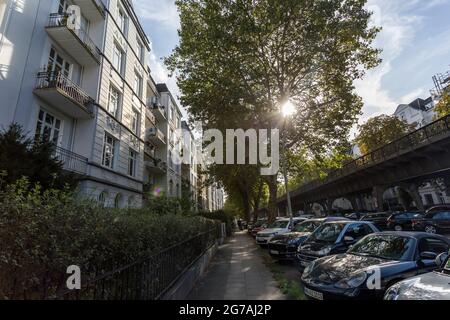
{"points": [[291, 288]]}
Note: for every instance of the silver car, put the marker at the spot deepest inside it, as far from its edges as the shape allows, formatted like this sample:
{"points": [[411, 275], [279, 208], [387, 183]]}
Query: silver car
{"points": [[429, 286]]}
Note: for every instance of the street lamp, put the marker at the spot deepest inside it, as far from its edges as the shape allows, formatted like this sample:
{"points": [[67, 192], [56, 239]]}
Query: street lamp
{"points": [[287, 109]]}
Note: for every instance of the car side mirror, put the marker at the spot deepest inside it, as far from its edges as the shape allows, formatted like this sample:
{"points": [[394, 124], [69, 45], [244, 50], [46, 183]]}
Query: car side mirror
{"points": [[441, 259], [349, 239], [427, 255]]}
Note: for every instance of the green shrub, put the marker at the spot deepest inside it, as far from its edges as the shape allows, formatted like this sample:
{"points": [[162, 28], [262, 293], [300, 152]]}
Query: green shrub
{"points": [[222, 216], [43, 232]]}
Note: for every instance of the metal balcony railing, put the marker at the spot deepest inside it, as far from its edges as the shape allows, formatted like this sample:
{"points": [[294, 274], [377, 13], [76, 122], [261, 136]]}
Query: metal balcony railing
{"points": [[155, 132], [71, 161], [397, 147], [56, 80], [62, 20]]}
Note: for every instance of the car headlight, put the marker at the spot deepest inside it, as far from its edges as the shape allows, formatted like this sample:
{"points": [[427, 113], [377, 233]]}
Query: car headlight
{"points": [[307, 271], [325, 251], [352, 282], [392, 293]]}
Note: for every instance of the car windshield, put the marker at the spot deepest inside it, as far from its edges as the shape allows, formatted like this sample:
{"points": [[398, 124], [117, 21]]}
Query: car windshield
{"points": [[307, 226], [388, 247], [279, 224], [328, 232], [259, 223]]}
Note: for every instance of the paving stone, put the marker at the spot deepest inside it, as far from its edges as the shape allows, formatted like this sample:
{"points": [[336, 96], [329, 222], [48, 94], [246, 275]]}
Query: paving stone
{"points": [[237, 272]]}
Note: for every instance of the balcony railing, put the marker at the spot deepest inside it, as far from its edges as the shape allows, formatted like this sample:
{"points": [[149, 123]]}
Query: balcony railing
{"points": [[410, 141], [156, 135], [56, 80], [71, 161], [62, 20]]}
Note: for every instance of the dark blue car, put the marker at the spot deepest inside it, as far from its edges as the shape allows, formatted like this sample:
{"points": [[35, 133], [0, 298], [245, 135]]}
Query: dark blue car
{"points": [[373, 264]]}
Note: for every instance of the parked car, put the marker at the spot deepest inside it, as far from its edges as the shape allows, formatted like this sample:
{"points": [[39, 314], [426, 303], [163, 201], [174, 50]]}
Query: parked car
{"points": [[258, 226], [332, 238], [429, 286], [373, 264], [284, 246], [433, 222], [379, 219], [280, 226], [441, 207], [402, 221]]}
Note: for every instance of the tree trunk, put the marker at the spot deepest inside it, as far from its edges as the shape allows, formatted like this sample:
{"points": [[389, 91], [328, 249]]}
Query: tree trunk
{"points": [[257, 201], [273, 189]]}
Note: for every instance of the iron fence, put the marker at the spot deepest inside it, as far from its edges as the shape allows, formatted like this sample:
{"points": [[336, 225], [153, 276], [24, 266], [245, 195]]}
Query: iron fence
{"points": [[71, 161], [57, 80], [148, 279]]}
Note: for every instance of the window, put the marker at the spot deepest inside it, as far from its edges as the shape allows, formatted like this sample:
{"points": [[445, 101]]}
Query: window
{"points": [[135, 119], [137, 84], [118, 57], [433, 245], [122, 20], [108, 151], [114, 101], [357, 231], [170, 188], [132, 161], [118, 201], [140, 50], [57, 64], [48, 127]]}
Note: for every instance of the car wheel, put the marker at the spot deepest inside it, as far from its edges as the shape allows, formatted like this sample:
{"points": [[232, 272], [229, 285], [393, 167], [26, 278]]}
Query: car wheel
{"points": [[430, 229], [398, 228]]}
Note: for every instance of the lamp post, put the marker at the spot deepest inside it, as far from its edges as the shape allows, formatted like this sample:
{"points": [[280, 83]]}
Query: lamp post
{"points": [[287, 110]]}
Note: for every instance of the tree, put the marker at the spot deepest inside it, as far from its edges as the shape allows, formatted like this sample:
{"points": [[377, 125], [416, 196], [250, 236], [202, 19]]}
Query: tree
{"points": [[21, 156], [238, 61], [442, 108], [381, 130]]}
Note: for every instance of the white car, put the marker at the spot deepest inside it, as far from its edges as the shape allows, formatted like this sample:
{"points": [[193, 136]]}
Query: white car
{"points": [[280, 226]]}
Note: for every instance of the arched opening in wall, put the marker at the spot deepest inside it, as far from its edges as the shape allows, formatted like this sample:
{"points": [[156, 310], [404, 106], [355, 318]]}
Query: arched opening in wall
{"points": [[318, 210], [398, 198], [118, 200], [342, 205], [131, 202], [102, 198]]}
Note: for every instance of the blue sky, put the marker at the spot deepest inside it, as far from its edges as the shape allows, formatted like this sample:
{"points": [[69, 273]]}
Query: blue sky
{"points": [[415, 42]]}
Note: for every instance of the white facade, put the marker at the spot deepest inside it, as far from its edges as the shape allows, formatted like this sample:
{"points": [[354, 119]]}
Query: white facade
{"points": [[419, 112], [189, 167], [89, 97]]}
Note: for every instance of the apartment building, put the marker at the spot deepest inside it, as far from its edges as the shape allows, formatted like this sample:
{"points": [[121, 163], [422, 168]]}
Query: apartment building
{"points": [[189, 172], [419, 112], [79, 81], [163, 142]]}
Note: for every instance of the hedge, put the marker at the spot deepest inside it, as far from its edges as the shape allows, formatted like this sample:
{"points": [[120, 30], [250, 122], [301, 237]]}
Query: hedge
{"points": [[43, 232]]}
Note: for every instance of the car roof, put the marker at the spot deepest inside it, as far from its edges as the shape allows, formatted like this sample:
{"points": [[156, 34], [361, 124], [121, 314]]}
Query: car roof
{"points": [[347, 221], [412, 234]]}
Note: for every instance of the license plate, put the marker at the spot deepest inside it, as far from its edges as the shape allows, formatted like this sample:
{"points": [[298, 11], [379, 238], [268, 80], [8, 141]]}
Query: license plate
{"points": [[274, 252], [305, 263], [314, 294]]}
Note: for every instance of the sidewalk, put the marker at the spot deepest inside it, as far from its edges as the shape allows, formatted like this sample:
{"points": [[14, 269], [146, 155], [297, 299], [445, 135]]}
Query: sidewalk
{"points": [[237, 272]]}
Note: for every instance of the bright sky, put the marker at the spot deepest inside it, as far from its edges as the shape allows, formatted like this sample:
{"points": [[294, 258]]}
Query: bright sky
{"points": [[415, 42]]}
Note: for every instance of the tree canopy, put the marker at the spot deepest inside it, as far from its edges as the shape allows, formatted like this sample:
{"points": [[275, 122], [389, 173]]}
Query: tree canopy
{"points": [[239, 61], [442, 108], [381, 130]]}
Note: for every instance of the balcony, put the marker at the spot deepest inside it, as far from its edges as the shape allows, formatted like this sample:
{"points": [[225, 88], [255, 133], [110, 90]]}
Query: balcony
{"points": [[155, 136], [93, 10], [71, 161], [149, 151], [158, 110], [63, 94], [155, 166], [150, 116], [74, 41]]}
